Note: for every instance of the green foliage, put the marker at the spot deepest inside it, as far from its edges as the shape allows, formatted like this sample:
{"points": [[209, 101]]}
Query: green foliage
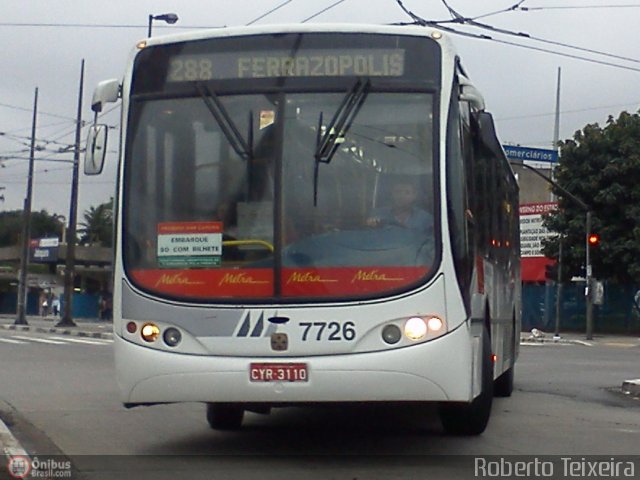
{"points": [[43, 225], [97, 227], [601, 166]]}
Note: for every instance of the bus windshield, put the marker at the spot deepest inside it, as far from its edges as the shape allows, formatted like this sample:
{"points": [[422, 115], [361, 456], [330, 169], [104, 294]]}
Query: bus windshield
{"points": [[226, 196]]}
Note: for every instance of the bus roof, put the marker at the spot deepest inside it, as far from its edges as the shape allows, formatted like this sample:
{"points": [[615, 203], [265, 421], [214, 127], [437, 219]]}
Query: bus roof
{"points": [[239, 31]]}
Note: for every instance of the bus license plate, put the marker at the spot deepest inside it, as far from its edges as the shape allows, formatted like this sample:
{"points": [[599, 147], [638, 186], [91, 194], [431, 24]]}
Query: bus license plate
{"points": [[278, 372]]}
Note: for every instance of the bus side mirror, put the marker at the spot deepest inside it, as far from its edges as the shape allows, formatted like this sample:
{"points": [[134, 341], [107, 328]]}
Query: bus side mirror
{"points": [[469, 93], [107, 91], [486, 133], [96, 149]]}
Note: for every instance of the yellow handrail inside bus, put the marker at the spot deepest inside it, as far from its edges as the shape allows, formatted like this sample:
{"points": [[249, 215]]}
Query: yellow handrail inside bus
{"points": [[237, 243]]}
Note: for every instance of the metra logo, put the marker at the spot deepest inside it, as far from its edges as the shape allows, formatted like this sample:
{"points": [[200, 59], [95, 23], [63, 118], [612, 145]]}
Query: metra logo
{"points": [[373, 276], [308, 277], [176, 279], [240, 279]]}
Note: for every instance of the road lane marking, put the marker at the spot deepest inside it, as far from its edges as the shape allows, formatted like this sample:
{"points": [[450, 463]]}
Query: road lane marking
{"points": [[39, 340], [84, 341], [9, 340]]}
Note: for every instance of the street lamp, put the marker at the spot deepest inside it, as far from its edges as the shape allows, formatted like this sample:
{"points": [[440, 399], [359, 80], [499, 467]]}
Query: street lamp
{"points": [[169, 18]]}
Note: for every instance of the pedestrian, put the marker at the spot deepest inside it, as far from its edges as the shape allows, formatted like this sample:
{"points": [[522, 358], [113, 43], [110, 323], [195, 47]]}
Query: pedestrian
{"points": [[55, 305], [44, 311]]}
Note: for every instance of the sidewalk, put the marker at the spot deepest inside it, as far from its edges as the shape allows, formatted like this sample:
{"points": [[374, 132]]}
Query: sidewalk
{"points": [[85, 327], [536, 336]]}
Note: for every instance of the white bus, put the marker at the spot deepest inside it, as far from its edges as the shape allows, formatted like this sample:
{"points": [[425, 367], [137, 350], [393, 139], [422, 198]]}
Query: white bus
{"points": [[310, 214]]}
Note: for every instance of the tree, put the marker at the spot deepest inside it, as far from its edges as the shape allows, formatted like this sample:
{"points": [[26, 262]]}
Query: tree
{"points": [[97, 226], [43, 225], [601, 166]]}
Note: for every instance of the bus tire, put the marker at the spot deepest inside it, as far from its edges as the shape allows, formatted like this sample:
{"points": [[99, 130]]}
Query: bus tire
{"points": [[503, 386], [224, 416], [472, 418]]}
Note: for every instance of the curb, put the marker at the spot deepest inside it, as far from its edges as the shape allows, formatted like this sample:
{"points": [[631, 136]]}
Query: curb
{"points": [[9, 445], [59, 331], [566, 341]]}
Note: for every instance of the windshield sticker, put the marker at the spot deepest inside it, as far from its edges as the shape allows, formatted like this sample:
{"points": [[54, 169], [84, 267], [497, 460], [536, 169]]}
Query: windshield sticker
{"points": [[267, 118], [189, 244]]}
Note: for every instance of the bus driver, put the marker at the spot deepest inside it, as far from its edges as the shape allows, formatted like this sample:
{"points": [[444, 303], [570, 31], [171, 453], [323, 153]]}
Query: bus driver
{"points": [[403, 210]]}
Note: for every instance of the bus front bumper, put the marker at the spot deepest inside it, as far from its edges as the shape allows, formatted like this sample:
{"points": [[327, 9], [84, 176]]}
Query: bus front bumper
{"points": [[439, 370]]}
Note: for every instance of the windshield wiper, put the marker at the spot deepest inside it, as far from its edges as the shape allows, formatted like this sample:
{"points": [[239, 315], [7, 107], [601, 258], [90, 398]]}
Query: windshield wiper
{"points": [[241, 146], [327, 143], [340, 124]]}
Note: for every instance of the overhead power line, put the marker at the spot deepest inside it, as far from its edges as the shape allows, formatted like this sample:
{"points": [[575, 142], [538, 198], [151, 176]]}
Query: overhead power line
{"points": [[635, 104], [528, 9], [269, 12], [468, 21], [43, 143], [24, 109], [473, 22], [322, 11], [567, 55]]}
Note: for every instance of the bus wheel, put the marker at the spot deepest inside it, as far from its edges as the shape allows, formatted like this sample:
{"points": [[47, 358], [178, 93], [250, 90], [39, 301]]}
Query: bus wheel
{"points": [[503, 386], [224, 416], [472, 418]]}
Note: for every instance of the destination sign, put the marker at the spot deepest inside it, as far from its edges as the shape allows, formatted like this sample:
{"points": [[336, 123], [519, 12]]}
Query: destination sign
{"points": [[283, 58], [273, 63]]}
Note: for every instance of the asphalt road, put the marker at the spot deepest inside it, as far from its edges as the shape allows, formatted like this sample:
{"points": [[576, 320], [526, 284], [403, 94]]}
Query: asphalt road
{"points": [[61, 399]]}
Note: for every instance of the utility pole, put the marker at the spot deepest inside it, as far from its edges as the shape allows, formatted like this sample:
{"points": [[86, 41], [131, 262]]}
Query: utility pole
{"points": [[556, 127], [556, 334], [588, 290], [556, 146], [69, 271], [21, 318]]}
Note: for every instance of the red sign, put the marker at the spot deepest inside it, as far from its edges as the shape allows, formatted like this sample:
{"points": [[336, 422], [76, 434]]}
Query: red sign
{"points": [[532, 232]]}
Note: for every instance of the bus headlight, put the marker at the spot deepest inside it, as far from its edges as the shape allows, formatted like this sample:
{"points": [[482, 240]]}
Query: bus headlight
{"points": [[435, 325], [415, 328], [149, 332]]}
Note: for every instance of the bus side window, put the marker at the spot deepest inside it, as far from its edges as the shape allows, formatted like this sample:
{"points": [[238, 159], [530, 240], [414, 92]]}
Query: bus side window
{"points": [[457, 195]]}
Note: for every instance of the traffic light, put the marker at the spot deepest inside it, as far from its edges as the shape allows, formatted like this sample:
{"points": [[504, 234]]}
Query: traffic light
{"points": [[593, 239]]}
